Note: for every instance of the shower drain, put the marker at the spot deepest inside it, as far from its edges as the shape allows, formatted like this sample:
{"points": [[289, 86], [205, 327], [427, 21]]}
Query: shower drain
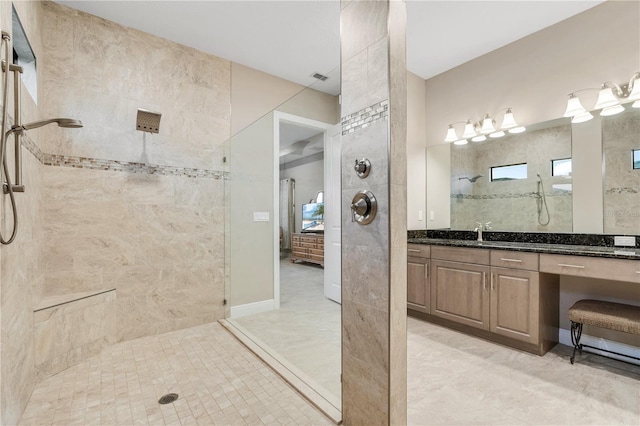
{"points": [[168, 398]]}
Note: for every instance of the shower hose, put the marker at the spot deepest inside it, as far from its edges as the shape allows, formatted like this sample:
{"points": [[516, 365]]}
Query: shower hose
{"points": [[541, 201], [3, 141]]}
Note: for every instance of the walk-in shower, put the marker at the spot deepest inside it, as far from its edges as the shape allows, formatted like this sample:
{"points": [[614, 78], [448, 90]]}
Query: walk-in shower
{"points": [[16, 130]]}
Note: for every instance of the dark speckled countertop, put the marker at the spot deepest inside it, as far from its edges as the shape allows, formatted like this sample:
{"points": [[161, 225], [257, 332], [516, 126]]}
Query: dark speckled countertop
{"points": [[576, 250]]}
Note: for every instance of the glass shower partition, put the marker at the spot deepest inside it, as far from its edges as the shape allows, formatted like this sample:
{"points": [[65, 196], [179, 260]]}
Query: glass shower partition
{"points": [[278, 305]]}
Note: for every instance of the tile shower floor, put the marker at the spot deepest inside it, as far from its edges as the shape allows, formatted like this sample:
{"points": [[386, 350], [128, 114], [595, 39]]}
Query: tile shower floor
{"points": [[218, 380], [453, 379]]}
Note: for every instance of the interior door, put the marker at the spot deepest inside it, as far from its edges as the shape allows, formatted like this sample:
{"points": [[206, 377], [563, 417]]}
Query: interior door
{"points": [[332, 215]]}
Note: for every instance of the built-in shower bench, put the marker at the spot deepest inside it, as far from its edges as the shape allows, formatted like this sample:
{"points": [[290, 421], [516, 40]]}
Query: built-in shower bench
{"points": [[72, 327]]}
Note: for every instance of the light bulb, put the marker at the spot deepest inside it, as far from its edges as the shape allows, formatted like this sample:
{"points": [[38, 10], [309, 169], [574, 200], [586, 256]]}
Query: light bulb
{"points": [[635, 92], [581, 118], [574, 107], [469, 131], [636, 104], [452, 136], [487, 125], [612, 110], [495, 135], [508, 122], [460, 142], [518, 129], [606, 98], [479, 138]]}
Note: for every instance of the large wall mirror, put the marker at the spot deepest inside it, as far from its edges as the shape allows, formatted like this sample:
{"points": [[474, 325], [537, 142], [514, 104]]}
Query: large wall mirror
{"points": [[525, 182], [519, 182], [621, 148]]}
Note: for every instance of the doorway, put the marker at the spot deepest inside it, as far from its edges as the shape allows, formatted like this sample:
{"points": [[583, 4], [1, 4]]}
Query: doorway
{"points": [[302, 329]]}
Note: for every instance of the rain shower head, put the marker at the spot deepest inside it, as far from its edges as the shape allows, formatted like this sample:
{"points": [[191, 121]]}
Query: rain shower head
{"points": [[62, 122]]}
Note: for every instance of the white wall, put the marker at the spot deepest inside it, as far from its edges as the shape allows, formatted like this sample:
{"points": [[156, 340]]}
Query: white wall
{"points": [[416, 134], [438, 196]]}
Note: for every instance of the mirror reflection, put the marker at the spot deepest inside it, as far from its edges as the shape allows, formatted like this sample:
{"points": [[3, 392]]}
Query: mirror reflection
{"points": [[621, 148], [521, 182]]}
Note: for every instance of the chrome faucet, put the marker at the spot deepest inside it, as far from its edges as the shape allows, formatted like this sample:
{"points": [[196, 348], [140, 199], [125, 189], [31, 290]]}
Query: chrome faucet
{"points": [[482, 227]]}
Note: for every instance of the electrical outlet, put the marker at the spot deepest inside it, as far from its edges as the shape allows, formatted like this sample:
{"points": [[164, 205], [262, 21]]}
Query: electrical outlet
{"points": [[261, 216], [624, 241], [419, 214]]}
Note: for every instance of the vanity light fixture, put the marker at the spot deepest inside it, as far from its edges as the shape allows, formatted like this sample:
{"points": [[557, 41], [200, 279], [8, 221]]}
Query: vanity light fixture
{"points": [[478, 132], [609, 96]]}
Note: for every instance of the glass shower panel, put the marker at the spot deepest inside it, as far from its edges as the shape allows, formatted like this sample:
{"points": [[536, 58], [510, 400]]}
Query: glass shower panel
{"points": [[278, 303]]}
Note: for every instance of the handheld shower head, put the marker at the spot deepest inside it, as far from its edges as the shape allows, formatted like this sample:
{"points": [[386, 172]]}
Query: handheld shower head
{"points": [[472, 180], [62, 122]]}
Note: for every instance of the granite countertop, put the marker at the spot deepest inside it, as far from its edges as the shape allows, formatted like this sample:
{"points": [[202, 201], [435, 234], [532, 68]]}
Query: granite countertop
{"points": [[632, 253]]}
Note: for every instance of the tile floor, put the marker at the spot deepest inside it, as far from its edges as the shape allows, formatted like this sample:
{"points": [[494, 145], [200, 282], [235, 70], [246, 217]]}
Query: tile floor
{"points": [[453, 379], [219, 382], [306, 329]]}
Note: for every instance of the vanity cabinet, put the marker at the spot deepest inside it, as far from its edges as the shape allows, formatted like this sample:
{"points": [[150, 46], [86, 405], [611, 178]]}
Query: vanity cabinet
{"points": [[499, 293], [418, 284], [459, 293], [515, 295]]}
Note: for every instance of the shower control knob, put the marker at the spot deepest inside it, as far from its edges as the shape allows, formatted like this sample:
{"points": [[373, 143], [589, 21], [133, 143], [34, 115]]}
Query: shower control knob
{"points": [[362, 168], [364, 207], [360, 207]]}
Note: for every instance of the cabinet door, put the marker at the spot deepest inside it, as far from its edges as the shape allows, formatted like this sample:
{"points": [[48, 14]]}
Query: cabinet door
{"points": [[459, 292], [515, 304], [418, 296]]}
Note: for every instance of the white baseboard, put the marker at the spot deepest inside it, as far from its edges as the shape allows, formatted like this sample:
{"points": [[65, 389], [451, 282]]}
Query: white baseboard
{"points": [[252, 308], [597, 342]]}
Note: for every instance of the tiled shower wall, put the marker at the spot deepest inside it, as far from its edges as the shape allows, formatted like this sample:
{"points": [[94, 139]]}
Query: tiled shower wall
{"points": [[21, 263], [512, 205], [374, 255], [620, 136], [156, 234]]}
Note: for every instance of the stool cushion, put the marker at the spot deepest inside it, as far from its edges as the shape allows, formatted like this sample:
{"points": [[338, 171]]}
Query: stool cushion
{"points": [[614, 316]]}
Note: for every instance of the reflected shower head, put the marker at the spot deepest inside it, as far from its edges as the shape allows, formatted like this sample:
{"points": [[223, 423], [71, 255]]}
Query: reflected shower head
{"points": [[472, 180], [62, 122]]}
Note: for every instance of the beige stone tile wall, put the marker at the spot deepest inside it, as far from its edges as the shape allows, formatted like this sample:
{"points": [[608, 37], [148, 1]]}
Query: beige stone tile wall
{"points": [[374, 255], [21, 263], [73, 331], [620, 136], [157, 238]]}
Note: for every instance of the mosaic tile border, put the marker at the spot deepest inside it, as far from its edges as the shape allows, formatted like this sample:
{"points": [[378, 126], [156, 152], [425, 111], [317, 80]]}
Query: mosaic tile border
{"points": [[365, 117], [509, 195], [118, 166], [623, 190]]}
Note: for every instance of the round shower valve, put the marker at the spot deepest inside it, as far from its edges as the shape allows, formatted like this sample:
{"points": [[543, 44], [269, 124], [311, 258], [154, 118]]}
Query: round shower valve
{"points": [[364, 207], [362, 168]]}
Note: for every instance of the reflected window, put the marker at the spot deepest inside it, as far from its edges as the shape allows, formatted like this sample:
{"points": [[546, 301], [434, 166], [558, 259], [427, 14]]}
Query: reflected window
{"points": [[511, 172], [636, 159], [561, 167]]}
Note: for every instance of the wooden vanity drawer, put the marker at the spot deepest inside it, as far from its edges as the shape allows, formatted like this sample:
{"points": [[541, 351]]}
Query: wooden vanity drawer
{"points": [[419, 250], [514, 260], [461, 254], [591, 267]]}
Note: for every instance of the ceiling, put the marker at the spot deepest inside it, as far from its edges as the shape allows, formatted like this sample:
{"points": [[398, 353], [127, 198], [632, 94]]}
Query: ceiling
{"points": [[295, 39]]}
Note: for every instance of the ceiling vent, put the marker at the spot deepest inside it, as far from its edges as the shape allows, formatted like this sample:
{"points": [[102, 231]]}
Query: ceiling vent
{"points": [[319, 76]]}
